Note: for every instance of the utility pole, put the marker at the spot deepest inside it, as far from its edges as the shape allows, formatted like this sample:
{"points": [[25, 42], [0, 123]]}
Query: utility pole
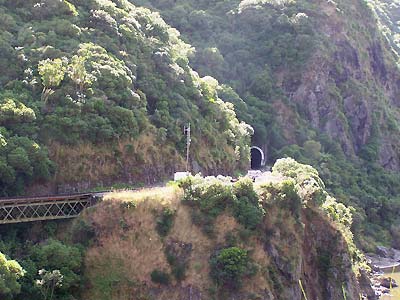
{"points": [[188, 141]]}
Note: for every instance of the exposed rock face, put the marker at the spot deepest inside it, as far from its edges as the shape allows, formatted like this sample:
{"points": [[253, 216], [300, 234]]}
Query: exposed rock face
{"points": [[324, 270], [383, 251], [324, 273], [366, 287], [388, 282], [330, 86]]}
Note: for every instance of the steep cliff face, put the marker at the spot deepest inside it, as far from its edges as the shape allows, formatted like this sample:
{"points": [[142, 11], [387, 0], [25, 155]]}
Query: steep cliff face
{"points": [[285, 253], [320, 263], [293, 247], [350, 88]]}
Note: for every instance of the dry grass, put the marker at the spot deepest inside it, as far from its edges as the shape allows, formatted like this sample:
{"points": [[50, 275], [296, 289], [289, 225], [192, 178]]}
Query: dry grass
{"points": [[128, 244], [149, 197], [130, 160], [127, 240]]}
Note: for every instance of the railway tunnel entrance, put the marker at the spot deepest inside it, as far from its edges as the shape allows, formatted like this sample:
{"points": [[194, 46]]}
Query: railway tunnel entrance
{"points": [[257, 158]]}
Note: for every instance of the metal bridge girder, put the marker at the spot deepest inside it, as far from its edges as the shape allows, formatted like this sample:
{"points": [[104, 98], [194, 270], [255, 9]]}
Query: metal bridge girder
{"points": [[27, 210]]}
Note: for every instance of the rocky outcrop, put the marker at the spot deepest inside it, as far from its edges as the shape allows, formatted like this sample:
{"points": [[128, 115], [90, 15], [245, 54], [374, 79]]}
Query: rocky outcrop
{"points": [[326, 273], [366, 286], [388, 282], [343, 91], [384, 259]]}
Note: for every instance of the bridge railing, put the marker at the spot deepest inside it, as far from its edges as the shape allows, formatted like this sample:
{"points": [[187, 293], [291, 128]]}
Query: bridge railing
{"points": [[17, 210]]}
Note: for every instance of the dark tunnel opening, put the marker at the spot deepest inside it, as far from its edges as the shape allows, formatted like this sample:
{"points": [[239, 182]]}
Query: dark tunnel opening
{"points": [[256, 159]]}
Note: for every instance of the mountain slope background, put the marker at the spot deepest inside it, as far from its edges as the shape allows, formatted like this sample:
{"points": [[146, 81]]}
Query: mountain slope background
{"points": [[317, 80]]}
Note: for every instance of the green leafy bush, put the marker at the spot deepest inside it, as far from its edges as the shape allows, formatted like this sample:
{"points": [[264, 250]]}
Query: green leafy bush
{"points": [[54, 255], [165, 221], [247, 209], [178, 267], [128, 205], [211, 196], [229, 266], [22, 162], [10, 273]]}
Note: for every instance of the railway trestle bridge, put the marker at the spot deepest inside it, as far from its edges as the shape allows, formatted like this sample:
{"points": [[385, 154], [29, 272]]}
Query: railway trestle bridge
{"points": [[41, 208]]}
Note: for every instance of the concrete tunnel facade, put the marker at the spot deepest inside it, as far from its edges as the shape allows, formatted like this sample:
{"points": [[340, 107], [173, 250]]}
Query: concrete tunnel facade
{"points": [[257, 158]]}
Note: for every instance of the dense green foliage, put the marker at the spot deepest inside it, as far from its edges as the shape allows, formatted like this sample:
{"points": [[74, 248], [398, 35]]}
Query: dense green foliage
{"points": [[229, 266], [242, 44], [247, 209], [211, 196], [100, 72], [10, 272], [42, 263]]}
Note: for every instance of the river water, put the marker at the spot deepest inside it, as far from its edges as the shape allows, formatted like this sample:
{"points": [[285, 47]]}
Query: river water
{"points": [[396, 291]]}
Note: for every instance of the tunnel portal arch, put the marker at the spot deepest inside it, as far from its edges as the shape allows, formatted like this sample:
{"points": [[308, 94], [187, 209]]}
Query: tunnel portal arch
{"points": [[257, 158]]}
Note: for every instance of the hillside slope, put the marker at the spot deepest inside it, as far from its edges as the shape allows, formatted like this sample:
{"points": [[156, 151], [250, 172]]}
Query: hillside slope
{"points": [[96, 92], [321, 66], [317, 81]]}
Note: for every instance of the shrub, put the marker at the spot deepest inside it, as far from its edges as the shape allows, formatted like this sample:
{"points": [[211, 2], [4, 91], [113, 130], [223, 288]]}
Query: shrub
{"points": [[179, 271], [211, 196], [54, 255], [160, 277], [229, 266], [165, 221], [290, 198], [247, 209], [10, 272], [178, 255], [128, 205], [82, 232]]}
